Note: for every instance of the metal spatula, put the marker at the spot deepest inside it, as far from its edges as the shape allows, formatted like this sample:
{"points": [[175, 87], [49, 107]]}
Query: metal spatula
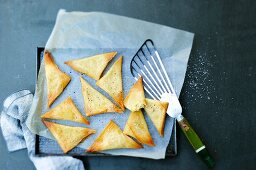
{"points": [[148, 64]]}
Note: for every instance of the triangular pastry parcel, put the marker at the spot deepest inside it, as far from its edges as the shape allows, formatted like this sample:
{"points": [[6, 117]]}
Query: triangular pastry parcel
{"points": [[66, 111], [95, 102], [67, 136], [55, 78], [111, 82], [136, 127], [91, 66], [112, 137], [156, 111], [135, 100]]}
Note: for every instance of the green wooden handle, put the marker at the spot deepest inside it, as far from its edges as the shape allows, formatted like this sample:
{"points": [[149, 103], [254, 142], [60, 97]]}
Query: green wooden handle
{"points": [[196, 142]]}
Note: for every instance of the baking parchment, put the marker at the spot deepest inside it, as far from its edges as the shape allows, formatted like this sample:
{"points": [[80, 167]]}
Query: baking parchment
{"points": [[81, 34]]}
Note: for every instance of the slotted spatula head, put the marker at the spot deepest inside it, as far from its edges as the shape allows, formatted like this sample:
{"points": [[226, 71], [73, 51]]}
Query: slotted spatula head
{"points": [[147, 64]]}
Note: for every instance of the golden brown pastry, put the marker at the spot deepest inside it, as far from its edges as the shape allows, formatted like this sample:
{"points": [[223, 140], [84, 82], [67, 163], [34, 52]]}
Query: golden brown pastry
{"points": [[66, 111], [95, 103], [111, 82], [56, 79], [135, 100], [156, 111], [91, 66], [136, 127], [112, 137], [67, 136]]}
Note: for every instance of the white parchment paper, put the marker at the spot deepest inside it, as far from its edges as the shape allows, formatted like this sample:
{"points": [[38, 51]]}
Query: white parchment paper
{"points": [[81, 34]]}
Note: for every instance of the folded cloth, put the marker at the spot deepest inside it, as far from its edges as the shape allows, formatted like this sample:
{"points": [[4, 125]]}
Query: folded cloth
{"points": [[18, 136]]}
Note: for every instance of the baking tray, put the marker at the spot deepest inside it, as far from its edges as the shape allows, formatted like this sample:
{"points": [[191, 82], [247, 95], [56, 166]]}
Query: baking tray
{"points": [[45, 146]]}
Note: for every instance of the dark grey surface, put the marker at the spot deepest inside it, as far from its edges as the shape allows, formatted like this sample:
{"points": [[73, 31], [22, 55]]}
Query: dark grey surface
{"points": [[219, 91]]}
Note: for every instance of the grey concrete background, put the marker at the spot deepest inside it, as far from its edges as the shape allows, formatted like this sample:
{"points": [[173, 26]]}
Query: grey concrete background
{"points": [[218, 94]]}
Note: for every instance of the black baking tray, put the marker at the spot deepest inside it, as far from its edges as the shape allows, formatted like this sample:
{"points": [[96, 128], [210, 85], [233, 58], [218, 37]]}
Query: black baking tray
{"points": [[45, 146]]}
